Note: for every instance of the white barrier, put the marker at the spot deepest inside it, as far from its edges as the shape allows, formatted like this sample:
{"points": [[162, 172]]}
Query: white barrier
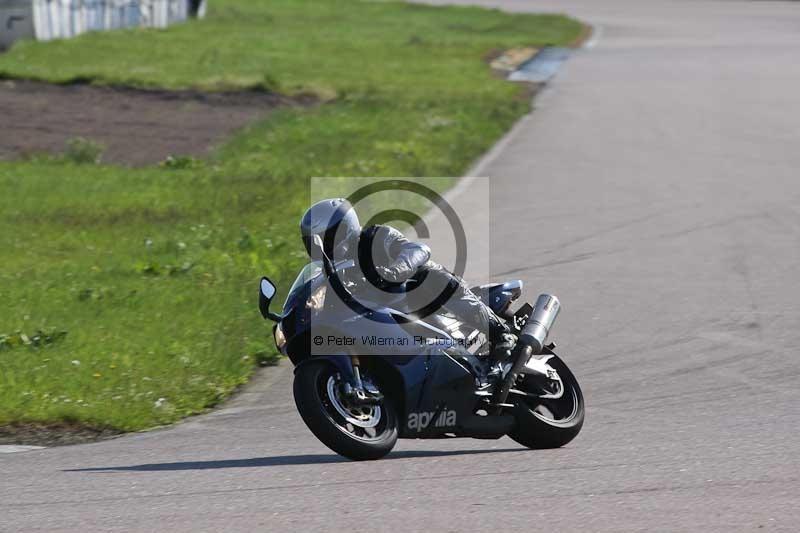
{"points": [[60, 19]]}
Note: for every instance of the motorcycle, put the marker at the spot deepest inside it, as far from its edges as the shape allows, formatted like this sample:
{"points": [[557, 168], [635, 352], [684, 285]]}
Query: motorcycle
{"points": [[437, 381]]}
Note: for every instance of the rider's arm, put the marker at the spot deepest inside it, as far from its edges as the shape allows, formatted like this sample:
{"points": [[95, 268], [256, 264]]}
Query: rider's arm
{"points": [[408, 255]]}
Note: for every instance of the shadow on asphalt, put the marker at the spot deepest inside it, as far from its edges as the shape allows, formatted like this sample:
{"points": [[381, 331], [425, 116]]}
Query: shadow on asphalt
{"points": [[280, 460]]}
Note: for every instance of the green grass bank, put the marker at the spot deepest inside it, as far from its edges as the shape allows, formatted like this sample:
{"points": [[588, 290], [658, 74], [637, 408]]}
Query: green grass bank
{"points": [[127, 295]]}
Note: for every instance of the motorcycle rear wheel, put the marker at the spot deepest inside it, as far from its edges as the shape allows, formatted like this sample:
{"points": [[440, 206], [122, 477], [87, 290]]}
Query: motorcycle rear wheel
{"points": [[549, 423], [357, 432]]}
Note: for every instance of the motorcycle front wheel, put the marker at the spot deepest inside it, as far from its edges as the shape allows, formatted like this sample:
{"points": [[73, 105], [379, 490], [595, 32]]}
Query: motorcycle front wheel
{"points": [[545, 421], [356, 431]]}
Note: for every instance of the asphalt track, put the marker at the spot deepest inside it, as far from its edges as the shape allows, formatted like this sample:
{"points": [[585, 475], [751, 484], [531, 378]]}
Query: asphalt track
{"points": [[655, 189]]}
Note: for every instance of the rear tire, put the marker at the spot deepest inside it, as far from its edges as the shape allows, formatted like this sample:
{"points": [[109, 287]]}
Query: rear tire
{"points": [[323, 416], [538, 431]]}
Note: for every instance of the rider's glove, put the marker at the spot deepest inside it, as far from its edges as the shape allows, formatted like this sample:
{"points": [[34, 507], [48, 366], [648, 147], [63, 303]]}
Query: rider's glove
{"points": [[393, 274]]}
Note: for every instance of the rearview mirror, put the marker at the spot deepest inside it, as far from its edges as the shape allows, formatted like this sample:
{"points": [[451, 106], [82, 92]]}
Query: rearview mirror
{"points": [[265, 294]]}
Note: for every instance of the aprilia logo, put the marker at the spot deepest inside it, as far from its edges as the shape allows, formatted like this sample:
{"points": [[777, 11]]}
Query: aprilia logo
{"points": [[420, 421]]}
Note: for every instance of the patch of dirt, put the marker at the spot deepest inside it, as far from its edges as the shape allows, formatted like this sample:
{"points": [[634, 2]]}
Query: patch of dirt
{"points": [[53, 434], [136, 127]]}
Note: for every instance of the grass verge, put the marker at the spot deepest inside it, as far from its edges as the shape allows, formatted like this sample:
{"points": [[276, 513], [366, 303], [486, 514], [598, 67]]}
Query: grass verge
{"points": [[128, 294]]}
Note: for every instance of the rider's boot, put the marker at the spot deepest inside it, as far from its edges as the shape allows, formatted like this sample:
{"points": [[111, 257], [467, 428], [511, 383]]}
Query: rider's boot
{"points": [[502, 341]]}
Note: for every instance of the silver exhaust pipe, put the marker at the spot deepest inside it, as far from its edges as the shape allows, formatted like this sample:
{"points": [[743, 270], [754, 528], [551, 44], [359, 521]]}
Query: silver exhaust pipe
{"points": [[537, 328], [531, 342]]}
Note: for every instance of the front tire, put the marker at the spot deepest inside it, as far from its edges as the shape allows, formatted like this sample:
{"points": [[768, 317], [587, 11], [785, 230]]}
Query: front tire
{"points": [[356, 432], [548, 423]]}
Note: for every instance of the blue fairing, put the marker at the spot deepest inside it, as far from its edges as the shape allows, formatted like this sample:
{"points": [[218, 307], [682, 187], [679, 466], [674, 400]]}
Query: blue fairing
{"points": [[424, 377]]}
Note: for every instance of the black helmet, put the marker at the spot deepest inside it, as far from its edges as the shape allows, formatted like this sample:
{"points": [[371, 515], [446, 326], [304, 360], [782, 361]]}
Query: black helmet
{"points": [[335, 221]]}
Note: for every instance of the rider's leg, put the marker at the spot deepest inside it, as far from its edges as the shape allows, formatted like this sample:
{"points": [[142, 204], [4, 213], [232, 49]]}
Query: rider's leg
{"points": [[466, 305]]}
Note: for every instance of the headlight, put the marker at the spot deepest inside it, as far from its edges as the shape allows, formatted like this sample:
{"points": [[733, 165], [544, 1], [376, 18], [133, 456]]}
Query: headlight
{"points": [[280, 338], [317, 299]]}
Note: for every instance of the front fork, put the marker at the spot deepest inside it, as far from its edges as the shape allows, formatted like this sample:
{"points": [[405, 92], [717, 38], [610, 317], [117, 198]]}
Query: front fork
{"points": [[355, 362], [351, 383], [358, 384], [358, 391]]}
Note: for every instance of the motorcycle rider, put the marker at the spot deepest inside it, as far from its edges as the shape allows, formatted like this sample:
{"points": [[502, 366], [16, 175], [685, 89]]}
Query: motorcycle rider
{"points": [[388, 258]]}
